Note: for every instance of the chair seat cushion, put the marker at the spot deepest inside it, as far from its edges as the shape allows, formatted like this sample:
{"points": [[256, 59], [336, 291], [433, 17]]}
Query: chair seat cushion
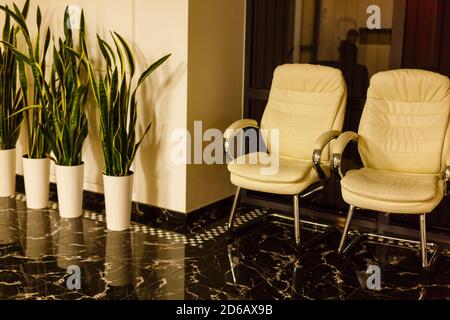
{"points": [[391, 186], [257, 167]]}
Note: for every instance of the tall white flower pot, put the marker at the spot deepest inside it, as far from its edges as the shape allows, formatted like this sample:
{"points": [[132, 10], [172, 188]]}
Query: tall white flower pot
{"points": [[118, 197], [7, 173], [36, 173], [69, 180]]}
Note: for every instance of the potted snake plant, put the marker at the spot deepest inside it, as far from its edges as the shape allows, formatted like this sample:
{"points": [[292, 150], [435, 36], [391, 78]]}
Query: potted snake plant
{"points": [[115, 97], [36, 165], [67, 124], [11, 102]]}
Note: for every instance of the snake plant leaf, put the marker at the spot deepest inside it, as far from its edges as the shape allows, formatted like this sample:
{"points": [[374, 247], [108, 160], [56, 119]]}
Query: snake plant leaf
{"points": [[68, 28], [67, 96], [133, 116], [20, 20], [120, 55], [107, 52], [135, 149], [6, 28], [46, 46], [117, 103], [58, 63], [75, 111], [38, 18], [25, 9], [37, 46], [51, 140], [18, 54], [104, 52], [113, 89], [11, 97], [104, 123], [129, 54], [72, 52], [77, 151], [151, 69], [93, 81], [20, 111], [82, 27]]}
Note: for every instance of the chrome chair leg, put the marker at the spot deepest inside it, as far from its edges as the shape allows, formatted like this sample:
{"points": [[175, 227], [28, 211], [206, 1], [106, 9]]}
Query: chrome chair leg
{"points": [[346, 227], [297, 220], [233, 208], [423, 238]]}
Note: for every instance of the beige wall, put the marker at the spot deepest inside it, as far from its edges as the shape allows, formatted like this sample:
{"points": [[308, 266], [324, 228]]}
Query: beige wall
{"points": [[199, 34], [215, 86]]}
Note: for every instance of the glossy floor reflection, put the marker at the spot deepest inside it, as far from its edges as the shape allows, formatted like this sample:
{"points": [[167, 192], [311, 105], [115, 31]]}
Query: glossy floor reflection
{"points": [[37, 247]]}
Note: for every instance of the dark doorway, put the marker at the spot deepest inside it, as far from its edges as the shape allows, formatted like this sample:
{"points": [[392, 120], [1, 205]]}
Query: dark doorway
{"points": [[269, 37]]}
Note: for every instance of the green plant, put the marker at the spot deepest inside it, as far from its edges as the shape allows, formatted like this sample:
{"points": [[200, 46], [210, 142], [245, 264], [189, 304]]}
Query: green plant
{"points": [[117, 103], [67, 92], [35, 58], [11, 101]]}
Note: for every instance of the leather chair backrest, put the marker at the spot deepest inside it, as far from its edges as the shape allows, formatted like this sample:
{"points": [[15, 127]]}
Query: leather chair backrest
{"points": [[305, 101], [404, 125]]}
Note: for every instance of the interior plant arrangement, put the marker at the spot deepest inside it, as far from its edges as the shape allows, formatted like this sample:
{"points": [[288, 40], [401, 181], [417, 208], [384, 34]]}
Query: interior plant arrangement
{"points": [[67, 125], [115, 97], [36, 165], [11, 102]]}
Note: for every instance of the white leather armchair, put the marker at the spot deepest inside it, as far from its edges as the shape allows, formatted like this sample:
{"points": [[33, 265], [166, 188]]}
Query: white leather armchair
{"points": [[307, 108], [403, 141]]}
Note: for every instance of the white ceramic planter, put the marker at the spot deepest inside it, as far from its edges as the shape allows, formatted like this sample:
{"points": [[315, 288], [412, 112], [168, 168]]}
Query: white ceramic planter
{"points": [[118, 195], [69, 182], [7, 173], [36, 174]]}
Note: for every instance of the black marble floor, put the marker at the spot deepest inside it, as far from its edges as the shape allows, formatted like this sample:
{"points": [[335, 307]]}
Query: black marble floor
{"points": [[258, 262]]}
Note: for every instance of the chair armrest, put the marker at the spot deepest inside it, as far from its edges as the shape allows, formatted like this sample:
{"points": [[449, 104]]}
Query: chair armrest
{"points": [[319, 145], [238, 125], [235, 128], [339, 147]]}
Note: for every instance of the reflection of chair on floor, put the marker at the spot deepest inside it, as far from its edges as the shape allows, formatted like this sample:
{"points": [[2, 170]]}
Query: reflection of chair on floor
{"points": [[233, 259], [403, 141], [306, 109]]}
